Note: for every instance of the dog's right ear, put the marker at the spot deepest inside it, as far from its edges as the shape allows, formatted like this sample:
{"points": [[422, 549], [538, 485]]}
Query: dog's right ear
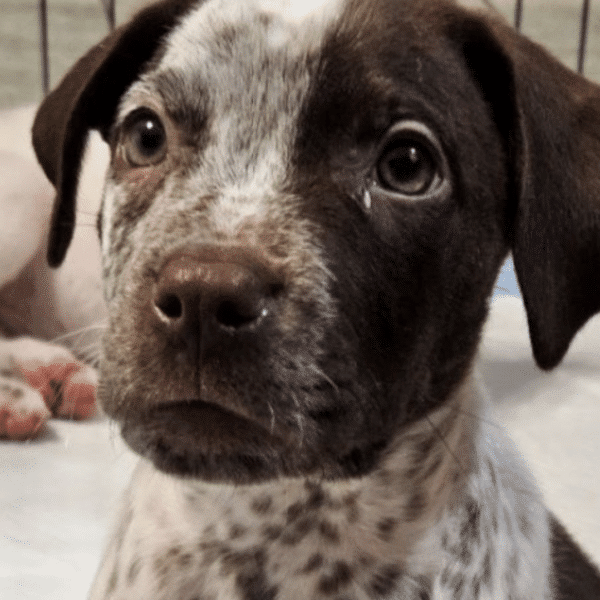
{"points": [[87, 98]]}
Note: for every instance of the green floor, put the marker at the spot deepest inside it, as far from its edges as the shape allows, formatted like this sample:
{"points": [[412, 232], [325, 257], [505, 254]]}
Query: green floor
{"points": [[74, 25]]}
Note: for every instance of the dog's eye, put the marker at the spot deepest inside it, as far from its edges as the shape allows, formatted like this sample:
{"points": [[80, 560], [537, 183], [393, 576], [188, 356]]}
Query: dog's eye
{"points": [[145, 139], [410, 163]]}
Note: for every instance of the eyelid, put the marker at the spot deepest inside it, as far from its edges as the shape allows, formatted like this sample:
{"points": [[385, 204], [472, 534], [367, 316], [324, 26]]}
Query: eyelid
{"points": [[421, 133]]}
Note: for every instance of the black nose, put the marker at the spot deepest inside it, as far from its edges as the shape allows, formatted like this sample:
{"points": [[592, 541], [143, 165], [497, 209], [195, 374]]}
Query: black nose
{"points": [[204, 298]]}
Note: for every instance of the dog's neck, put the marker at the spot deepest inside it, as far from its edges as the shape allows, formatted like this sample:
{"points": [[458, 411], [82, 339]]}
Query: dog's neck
{"points": [[381, 515], [445, 511]]}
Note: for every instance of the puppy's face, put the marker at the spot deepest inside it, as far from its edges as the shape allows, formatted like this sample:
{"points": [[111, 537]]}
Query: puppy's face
{"points": [[305, 214], [345, 166]]}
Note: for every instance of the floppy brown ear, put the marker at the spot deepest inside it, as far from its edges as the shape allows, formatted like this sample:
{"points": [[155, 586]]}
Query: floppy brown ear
{"points": [[550, 120], [87, 99]]}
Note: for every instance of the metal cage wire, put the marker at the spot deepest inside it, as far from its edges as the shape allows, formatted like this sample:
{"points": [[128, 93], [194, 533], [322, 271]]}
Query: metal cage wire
{"points": [[108, 7]]}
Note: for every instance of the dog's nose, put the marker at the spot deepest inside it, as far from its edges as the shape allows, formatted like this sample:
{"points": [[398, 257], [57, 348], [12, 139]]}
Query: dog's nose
{"points": [[203, 298]]}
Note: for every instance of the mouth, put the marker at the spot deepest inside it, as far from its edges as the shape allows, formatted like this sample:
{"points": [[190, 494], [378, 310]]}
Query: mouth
{"points": [[201, 439]]}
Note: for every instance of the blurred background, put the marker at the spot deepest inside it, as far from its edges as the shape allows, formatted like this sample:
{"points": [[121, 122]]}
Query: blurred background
{"points": [[74, 25]]}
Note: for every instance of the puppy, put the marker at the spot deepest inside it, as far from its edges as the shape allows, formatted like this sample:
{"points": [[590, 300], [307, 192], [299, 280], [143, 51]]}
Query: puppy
{"points": [[304, 215]]}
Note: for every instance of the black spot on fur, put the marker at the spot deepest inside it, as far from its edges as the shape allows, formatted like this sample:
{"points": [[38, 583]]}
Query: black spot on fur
{"points": [[470, 527], [457, 585], [237, 531], [314, 562], [249, 569], [316, 498], [384, 581], [492, 472], [262, 505], [416, 505], [15, 392], [366, 560], [385, 529], [255, 587], [211, 551], [339, 577], [185, 560], [445, 540], [298, 531], [294, 512], [272, 532], [329, 532]]}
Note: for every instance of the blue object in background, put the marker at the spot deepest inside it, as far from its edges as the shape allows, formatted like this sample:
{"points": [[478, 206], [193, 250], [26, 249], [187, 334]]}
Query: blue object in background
{"points": [[506, 284]]}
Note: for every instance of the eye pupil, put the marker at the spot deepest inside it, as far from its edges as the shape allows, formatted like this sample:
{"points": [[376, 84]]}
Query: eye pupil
{"points": [[150, 137], [405, 163], [407, 167]]}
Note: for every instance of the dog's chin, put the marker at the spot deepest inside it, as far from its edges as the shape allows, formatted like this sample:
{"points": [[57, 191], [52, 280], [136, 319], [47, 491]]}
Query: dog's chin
{"points": [[202, 440], [199, 439]]}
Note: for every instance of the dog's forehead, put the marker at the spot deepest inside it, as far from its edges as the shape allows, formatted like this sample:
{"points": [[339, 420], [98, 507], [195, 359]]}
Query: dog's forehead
{"points": [[293, 24], [238, 52]]}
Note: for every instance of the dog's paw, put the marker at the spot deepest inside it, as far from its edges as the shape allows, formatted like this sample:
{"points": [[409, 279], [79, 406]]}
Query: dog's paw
{"points": [[23, 411], [66, 385]]}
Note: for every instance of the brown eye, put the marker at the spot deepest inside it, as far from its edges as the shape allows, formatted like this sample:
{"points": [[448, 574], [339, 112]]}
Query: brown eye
{"points": [[410, 163], [407, 168], [145, 139]]}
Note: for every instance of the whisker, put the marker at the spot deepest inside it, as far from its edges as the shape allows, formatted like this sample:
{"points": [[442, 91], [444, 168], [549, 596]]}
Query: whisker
{"points": [[68, 335], [446, 445], [477, 417], [272, 417], [299, 421]]}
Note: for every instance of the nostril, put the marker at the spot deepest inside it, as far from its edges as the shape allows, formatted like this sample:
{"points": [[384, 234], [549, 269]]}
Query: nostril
{"points": [[170, 306], [235, 314]]}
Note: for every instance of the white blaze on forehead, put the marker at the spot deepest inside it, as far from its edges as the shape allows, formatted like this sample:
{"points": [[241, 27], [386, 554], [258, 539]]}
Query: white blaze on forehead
{"points": [[252, 55], [293, 22], [297, 11]]}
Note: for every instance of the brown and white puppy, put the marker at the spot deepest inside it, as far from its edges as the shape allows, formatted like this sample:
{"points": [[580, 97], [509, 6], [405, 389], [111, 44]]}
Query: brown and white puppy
{"points": [[304, 215]]}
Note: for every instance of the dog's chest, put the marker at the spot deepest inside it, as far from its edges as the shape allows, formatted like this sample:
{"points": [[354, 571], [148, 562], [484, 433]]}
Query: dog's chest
{"points": [[266, 541], [355, 539]]}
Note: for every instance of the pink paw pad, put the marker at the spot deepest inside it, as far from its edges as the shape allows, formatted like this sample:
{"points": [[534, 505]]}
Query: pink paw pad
{"points": [[23, 412], [68, 387]]}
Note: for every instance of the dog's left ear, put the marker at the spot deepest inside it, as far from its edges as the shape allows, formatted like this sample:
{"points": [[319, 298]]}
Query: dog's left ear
{"points": [[549, 118], [87, 98]]}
